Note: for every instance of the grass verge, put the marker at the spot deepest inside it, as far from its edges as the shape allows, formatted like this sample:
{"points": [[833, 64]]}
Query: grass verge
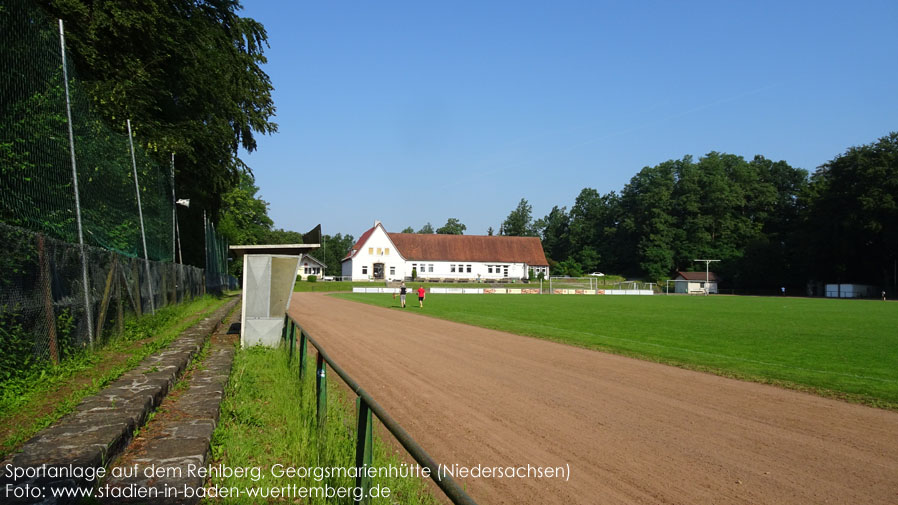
{"points": [[268, 419], [35, 402], [838, 348]]}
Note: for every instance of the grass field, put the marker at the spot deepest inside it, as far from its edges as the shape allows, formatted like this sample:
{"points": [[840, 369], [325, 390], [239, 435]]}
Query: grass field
{"points": [[841, 348], [268, 418]]}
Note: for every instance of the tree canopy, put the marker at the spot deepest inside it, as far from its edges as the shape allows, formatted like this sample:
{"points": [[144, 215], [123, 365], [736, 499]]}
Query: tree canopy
{"points": [[452, 227], [519, 222], [187, 73], [769, 223]]}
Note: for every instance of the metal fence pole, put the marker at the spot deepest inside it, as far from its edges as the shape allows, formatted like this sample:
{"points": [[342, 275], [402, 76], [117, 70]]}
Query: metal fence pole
{"points": [[88, 312], [174, 206], [302, 353], [363, 440], [321, 389], [143, 234]]}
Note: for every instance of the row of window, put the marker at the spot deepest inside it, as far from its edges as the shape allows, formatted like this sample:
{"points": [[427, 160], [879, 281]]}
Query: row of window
{"points": [[311, 270], [499, 269], [428, 268], [385, 251], [365, 270]]}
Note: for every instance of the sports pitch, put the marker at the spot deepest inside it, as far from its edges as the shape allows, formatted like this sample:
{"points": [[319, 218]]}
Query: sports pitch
{"points": [[841, 348]]}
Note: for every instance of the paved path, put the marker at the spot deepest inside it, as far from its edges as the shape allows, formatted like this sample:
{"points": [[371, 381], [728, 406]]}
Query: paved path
{"points": [[632, 432]]}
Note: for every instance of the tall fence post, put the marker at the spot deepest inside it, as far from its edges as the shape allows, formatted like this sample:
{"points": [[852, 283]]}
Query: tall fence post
{"points": [[321, 389], [363, 456], [88, 312], [143, 234], [47, 295]]}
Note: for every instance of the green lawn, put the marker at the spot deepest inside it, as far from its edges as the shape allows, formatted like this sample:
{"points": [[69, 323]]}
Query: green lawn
{"points": [[841, 348], [268, 418]]}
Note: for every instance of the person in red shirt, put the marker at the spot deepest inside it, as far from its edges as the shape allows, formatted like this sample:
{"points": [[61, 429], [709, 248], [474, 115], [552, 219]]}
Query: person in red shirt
{"points": [[421, 296]]}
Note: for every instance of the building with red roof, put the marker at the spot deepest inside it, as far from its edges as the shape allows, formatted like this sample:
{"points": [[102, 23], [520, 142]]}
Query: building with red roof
{"points": [[380, 255]]}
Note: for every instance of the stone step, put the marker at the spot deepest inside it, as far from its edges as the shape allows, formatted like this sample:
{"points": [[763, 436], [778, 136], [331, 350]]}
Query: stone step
{"points": [[172, 451], [103, 424]]}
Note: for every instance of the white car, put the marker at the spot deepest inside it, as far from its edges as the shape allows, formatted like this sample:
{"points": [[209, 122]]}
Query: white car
{"points": [[597, 274]]}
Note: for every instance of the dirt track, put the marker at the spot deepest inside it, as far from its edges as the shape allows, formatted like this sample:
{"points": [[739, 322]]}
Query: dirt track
{"points": [[631, 431]]}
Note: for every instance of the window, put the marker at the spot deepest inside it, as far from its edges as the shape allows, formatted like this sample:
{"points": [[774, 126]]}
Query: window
{"points": [[392, 270], [452, 268], [380, 251], [387, 251], [415, 267], [430, 268], [469, 268], [489, 269], [505, 273], [370, 250], [365, 270]]}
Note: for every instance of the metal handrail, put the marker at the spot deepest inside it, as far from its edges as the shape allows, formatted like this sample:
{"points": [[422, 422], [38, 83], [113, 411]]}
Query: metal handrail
{"points": [[367, 405]]}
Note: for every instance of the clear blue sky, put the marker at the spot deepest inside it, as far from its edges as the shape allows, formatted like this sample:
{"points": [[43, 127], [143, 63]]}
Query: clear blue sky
{"points": [[415, 112]]}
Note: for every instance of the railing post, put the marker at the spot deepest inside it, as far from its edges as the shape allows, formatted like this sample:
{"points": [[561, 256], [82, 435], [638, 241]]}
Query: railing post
{"points": [[302, 354], [291, 339], [321, 389], [284, 329], [364, 436]]}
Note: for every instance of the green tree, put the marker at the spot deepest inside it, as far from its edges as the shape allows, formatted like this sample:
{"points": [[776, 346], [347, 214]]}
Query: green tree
{"points": [[554, 231], [426, 229], [648, 224], [452, 227], [244, 217], [408, 229], [333, 250], [189, 76], [519, 222], [853, 215]]}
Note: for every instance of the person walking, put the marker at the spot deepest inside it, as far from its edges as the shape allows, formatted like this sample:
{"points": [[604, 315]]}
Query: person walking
{"points": [[402, 290], [883, 295], [421, 296]]}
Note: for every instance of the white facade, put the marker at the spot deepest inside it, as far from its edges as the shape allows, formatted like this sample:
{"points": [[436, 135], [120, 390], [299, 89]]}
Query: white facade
{"points": [[309, 265], [378, 259]]}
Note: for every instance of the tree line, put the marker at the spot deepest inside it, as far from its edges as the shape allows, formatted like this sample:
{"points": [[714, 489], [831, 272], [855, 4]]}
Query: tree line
{"points": [[769, 223]]}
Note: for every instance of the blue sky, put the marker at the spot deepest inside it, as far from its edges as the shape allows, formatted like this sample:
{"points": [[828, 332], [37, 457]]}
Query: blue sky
{"points": [[415, 112]]}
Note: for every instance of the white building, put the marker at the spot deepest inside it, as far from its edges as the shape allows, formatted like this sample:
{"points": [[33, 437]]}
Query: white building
{"points": [[379, 255], [310, 265], [696, 282]]}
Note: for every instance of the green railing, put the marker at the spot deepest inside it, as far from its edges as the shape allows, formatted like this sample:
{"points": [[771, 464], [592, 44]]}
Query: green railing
{"points": [[366, 406]]}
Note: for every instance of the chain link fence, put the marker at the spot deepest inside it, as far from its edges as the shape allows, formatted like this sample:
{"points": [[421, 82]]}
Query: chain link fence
{"points": [[86, 216]]}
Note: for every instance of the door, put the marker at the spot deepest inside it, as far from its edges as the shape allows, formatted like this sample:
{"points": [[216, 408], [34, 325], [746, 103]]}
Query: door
{"points": [[378, 270]]}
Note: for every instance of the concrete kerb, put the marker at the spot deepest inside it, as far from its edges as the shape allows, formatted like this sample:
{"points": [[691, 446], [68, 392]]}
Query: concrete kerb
{"points": [[103, 424]]}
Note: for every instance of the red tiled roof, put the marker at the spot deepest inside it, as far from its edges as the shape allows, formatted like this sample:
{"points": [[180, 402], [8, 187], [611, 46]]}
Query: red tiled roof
{"points": [[432, 247], [698, 276], [359, 243]]}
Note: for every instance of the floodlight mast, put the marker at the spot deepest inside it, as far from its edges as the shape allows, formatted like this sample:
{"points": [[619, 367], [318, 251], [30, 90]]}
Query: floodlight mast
{"points": [[707, 274]]}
